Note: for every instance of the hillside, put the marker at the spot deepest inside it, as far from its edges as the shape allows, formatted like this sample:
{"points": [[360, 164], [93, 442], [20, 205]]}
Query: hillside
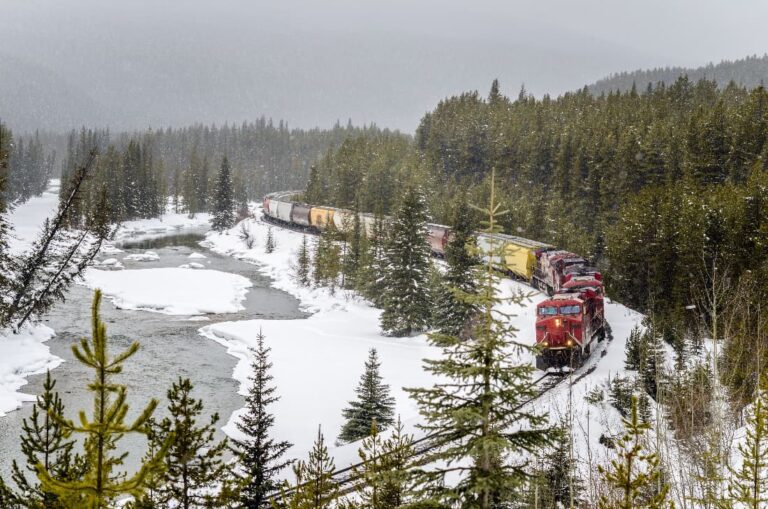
{"points": [[750, 72]]}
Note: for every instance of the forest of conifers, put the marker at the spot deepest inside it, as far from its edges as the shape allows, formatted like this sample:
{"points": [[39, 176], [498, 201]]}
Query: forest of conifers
{"points": [[663, 188]]}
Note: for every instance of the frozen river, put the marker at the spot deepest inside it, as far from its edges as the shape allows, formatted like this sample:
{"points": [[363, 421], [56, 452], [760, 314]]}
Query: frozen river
{"points": [[170, 345]]}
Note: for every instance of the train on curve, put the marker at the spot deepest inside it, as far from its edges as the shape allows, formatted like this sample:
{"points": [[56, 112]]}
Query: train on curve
{"points": [[569, 323]]}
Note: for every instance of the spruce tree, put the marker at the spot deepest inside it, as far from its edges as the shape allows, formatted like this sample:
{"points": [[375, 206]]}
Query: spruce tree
{"points": [[748, 486], [373, 403], [327, 262], [269, 243], [319, 489], [634, 475], [261, 456], [100, 483], [557, 477], [385, 469], [303, 261], [194, 466], [405, 293], [43, 442], [482, 393], [223, 207], [452, 313], [5, 227]]}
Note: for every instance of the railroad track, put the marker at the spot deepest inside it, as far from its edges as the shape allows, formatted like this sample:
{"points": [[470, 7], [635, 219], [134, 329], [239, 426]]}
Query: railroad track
{"points": [[346, 478]]}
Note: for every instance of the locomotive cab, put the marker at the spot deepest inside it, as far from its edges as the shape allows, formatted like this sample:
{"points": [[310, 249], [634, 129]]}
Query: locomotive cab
{"points": [[567, 324]]}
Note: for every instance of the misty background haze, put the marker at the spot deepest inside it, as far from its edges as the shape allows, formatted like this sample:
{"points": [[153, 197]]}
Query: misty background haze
{"points": [[137, 64]]}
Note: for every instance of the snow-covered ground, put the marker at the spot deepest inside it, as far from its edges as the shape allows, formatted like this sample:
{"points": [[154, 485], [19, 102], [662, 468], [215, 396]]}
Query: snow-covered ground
{"points": [[318, 361], [173, 291], [26, 353]]}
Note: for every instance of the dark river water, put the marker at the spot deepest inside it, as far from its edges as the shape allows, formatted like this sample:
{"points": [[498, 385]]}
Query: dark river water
{"points": [[170, 346]]}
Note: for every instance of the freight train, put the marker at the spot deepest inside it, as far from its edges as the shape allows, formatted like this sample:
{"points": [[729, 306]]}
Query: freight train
{"points": [[569, 322]]}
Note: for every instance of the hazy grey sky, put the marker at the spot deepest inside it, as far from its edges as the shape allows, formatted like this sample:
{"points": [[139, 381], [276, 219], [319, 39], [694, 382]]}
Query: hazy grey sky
{"points": [[131, 64]]}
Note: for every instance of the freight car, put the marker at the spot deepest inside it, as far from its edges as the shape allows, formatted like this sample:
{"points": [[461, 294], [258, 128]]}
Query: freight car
{"points": [[567, 324]]}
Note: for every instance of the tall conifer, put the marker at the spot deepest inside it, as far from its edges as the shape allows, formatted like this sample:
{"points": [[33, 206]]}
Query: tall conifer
{"points": [[101, 483], [261, 456], [405, 286], [481, 394], [223, 207]]}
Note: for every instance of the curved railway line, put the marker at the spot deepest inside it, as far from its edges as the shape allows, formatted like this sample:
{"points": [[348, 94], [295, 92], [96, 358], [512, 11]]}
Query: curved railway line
{"points": [[347, 477]]}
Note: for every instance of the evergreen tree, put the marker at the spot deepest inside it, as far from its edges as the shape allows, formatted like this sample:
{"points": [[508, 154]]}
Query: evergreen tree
{"points": [[557, 477], [482, 390], [319, 490], [269, 244], [43, 442], [303, 261], [633, 476], [633, 350], [748, 486], [194, 465], [387, 482], [223, 199], [373, 403], [100, 483], [453, 313], [260, 454], [369, 275], [405, 296], [327, 262], [5, 259]]}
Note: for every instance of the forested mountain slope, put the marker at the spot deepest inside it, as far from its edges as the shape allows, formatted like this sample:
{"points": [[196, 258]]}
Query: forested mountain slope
{"points": [[750, 72]]}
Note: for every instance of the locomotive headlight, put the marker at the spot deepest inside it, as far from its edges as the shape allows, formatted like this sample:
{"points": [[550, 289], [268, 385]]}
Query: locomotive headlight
{"points": [[557, 322], [569, 342]]}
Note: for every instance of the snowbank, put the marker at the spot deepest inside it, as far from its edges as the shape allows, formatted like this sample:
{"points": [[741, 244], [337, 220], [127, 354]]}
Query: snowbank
{"points": [[172, 291], [317, 361], [148, 256], [27, 219], [171, 223], [21, 355]]}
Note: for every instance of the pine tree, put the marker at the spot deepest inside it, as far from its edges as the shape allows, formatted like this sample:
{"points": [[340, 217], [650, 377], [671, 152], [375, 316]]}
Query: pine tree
{"points": [[633, 350], [223, 199], [327, 262], [387, 482], [43, 442], [482, 392], [194, 465], [269, 244], [260, 455], [303, 261], [315, 487], [453, 313], [748, 486], [100, 483], [405, 295], [633, 476], [373, 403], [558, 476], [5, 227]]}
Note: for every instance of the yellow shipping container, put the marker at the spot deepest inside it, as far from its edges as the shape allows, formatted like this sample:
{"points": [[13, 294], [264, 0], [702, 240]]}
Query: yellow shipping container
{"points": [[320, 217]]}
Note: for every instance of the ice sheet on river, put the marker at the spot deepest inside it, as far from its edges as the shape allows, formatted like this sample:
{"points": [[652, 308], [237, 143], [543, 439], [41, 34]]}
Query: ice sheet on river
{"points": [[172, 291]]}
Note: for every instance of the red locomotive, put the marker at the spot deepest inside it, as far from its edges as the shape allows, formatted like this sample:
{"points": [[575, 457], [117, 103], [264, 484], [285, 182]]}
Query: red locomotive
{"points": [[570, 323]]}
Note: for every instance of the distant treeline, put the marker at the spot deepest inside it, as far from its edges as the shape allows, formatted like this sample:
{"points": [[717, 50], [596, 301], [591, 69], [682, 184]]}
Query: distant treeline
{"points": [[139, 172], [749, 72], [29, 165]]}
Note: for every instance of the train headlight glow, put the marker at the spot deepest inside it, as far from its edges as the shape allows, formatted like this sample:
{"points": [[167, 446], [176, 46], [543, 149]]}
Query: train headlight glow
{"points": [[558, 322], [569, 342]]}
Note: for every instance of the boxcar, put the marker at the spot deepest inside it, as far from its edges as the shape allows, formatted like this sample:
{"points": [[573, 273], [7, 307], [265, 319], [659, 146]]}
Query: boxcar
{"points": [[319, 217], [300, 214], [368, 221], [438, 238], [284, 210], [343, 219]]}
